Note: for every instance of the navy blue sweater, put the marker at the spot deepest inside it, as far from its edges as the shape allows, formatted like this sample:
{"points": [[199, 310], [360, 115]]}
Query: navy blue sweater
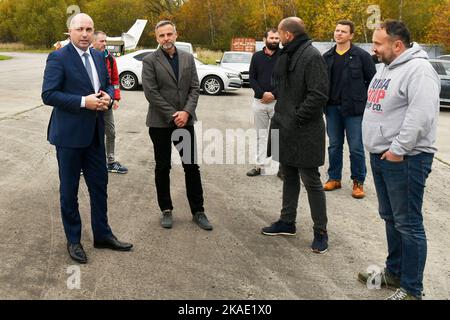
{"points": [[261, 68]]}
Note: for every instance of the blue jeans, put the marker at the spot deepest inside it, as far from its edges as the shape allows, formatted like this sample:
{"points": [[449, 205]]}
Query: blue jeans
{"points": [[400, 188], [337, 128]]}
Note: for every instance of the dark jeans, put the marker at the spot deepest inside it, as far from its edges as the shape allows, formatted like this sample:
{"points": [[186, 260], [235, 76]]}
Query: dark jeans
{"points": [[337, 128], [162, 144], [316, 195], [400, 188]]}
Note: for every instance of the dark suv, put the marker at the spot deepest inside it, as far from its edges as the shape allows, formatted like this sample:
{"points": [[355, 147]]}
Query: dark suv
{"points": [[442, 67]]}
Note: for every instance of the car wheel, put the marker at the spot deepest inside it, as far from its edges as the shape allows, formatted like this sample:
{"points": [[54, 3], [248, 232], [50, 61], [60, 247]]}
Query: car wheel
{"points": [[128, 81], [212, 85]]}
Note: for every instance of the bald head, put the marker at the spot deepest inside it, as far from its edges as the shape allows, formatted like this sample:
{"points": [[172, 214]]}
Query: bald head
{"points": [[79, 18], [81, 31], [294, 25], [290, 28]]}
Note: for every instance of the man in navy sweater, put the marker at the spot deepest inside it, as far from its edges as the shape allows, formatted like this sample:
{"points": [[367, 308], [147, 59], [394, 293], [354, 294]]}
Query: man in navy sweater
{"points": [[261, 68], [350, 70]]}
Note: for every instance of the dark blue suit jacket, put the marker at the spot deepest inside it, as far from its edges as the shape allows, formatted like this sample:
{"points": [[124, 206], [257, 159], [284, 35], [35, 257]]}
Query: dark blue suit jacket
{"points": [[65, 82]]}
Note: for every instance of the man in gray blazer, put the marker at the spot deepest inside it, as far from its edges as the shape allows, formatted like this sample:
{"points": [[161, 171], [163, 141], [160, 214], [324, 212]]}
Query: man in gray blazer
{"points": [[171, 86]]}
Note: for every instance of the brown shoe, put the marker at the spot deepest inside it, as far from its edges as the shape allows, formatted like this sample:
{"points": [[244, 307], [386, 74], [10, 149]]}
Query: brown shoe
{"points": [[332, 185], [358, 190]]}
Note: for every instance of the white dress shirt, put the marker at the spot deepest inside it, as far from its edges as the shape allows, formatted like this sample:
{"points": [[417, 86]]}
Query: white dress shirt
{"points": [[94, 72]]}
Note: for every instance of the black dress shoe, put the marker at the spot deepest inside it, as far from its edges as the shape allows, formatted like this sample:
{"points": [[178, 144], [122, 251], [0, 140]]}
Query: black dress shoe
{"points": [[254, 172], [113, 244], [280, 174], [76, 252]]}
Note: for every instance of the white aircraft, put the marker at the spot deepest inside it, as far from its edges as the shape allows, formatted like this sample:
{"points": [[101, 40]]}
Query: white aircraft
{"points": [[132, 36], [129, 39]]}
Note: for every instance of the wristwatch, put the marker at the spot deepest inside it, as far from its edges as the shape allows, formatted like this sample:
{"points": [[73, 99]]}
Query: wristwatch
{"points": [[111, 104]]}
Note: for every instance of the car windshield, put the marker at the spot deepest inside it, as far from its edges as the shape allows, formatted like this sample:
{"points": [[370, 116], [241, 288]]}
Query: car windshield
{"points": [[199, 62], [441, 67], [446, 66], [236, 58], [141, 56], [183, 47]]}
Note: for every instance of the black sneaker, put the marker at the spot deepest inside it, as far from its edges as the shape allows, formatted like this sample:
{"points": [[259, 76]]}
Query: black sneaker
{"points": [[202, 221], [117, 168], [320, 242], [280, 174], [254, 172], [280, 228]]}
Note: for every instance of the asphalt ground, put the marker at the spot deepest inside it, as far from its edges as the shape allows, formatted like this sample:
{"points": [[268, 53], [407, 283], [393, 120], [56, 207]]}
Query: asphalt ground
{"points": [[234, 261]]}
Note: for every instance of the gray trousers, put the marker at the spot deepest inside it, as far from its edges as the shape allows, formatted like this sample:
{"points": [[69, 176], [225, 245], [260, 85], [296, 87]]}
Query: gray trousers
{"points": [[262, 113], [110, 134], [316, 195]]}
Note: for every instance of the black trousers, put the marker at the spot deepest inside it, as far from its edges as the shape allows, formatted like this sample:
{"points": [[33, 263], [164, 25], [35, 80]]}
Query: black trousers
{"points": [[184, 140], [316, 195]]}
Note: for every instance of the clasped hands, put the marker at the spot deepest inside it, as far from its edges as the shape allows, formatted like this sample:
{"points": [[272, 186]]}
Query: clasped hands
{"points": [[98, 101], [180, 118]]}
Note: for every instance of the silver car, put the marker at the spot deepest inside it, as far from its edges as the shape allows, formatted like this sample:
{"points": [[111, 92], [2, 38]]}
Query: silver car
{"points": [[213, 79], [237, 61]]}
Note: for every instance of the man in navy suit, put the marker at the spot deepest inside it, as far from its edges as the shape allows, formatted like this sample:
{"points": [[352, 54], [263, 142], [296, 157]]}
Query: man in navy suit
{"points": [[77, 85]]}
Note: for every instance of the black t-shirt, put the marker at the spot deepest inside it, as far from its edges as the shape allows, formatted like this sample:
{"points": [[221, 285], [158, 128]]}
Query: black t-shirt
{"points": [[336, 76]]}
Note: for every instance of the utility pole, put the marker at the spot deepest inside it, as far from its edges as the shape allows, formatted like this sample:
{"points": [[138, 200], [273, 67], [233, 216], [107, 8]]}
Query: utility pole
{"points": [[212, 32], [401, 10], [265, 14], [294, 9]]}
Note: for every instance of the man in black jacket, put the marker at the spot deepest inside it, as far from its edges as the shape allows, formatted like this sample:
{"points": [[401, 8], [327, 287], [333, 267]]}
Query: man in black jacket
{"points": [[261, 68], [350, 71], [302, 85]]}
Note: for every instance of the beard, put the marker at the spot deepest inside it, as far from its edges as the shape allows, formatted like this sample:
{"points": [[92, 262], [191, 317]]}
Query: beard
{"points": [[272, 46], [386, 58], [167, 46]]}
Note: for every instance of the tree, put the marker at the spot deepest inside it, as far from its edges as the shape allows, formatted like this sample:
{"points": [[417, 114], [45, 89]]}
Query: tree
{"points": [[40, 22], [437, 30], [158, 7], [7, 27], [324, 23], [213, 23]]}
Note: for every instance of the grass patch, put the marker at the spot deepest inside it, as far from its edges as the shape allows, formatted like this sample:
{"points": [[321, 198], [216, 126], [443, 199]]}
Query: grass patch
{"points": [[20, 47], [4, 58], [208, 56]]}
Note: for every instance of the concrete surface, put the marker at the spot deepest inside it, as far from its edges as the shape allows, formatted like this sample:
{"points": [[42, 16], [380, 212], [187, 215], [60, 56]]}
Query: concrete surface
{"points": [[234, 261]]}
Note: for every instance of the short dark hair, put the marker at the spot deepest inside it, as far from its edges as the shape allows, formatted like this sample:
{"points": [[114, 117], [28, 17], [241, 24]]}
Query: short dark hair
{"points": [[164, 23], [347, 23], [397, 30], [293, 25], [96, 33], [273, 30]]}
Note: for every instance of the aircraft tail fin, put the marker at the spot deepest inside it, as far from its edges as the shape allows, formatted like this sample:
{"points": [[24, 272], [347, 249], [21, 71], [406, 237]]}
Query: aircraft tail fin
{"points": [[132, 36]]}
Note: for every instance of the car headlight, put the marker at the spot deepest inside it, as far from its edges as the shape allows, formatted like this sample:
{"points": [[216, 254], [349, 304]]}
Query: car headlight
{"points": [[232, 75]]}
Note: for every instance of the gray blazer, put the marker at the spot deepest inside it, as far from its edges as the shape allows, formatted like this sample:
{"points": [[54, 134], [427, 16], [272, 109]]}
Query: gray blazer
{"points": [[164, 93]]}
